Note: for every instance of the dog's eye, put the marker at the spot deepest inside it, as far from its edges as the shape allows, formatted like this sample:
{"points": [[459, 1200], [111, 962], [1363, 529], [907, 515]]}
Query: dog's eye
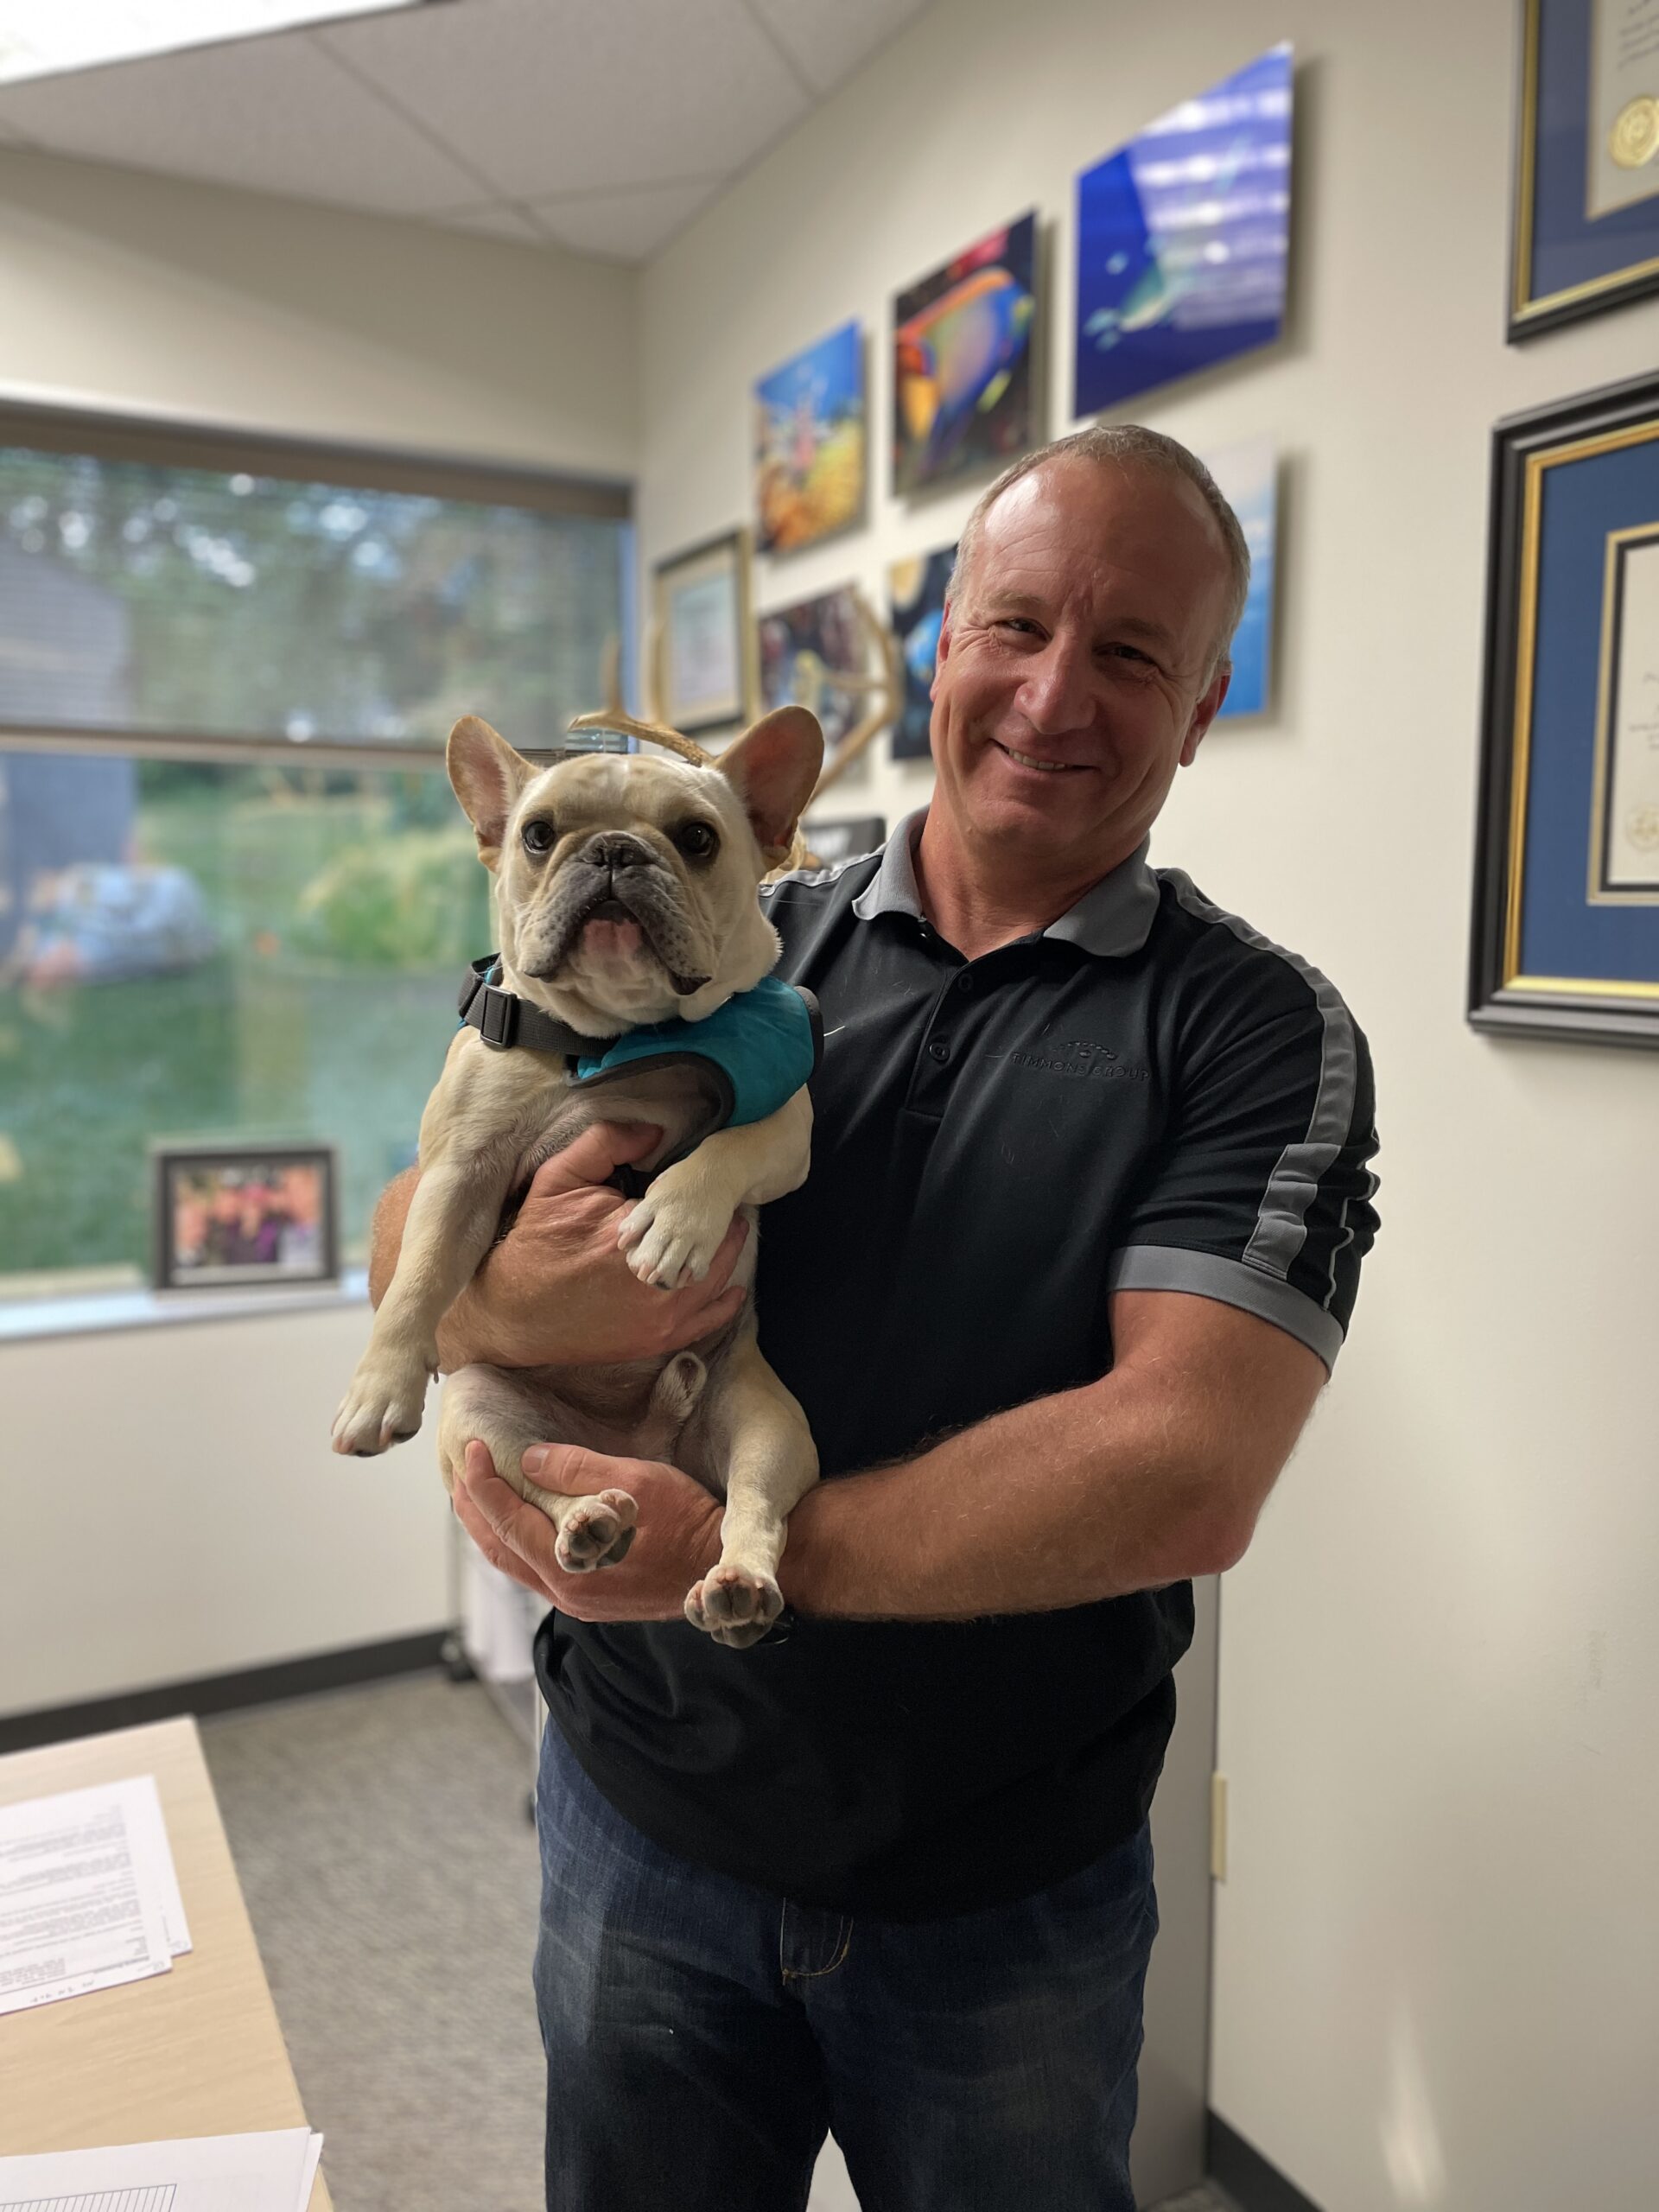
{"points": [[697, 840], [539, 837]]}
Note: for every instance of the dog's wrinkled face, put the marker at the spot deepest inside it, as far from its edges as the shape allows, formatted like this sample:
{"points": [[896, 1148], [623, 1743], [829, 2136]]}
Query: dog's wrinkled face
{"points": [[625, 885]]}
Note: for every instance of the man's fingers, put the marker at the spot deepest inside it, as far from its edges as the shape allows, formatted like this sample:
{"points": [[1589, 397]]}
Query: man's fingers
{"points": [[499, 1554], [593, 1157], [720, 1268]]}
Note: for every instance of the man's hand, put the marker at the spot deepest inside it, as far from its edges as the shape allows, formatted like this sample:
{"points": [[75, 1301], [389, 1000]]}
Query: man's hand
{"points": [[557, 1291], [676, 1542]]}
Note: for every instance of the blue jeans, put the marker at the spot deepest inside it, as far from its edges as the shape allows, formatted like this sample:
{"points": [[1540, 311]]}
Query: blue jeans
{"points": [[702, 2035]]}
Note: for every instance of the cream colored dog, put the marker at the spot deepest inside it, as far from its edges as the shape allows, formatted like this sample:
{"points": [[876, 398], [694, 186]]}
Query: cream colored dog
{"points": [[625, 889]]}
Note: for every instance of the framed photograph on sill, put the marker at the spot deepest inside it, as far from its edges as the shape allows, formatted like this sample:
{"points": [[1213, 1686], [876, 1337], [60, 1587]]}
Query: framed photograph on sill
{"points": [[230, 1216], [1565, 934], [704, 637], [1585, 226]]}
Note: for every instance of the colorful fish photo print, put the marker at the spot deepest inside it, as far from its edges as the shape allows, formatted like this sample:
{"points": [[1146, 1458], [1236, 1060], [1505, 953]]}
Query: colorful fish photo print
{"points": [[961, 380], [809, 444], [1183, 237], [916, 591], [803, 649]]}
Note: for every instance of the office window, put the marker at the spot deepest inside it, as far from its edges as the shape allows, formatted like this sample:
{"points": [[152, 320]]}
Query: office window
{"points": [[236, 890]]}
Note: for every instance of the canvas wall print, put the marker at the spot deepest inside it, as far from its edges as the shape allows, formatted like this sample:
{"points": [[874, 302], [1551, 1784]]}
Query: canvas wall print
{"points": [[1183, 239], [1247, 475], [916, 591], [961, 374], [803, 648], [809, 460]]}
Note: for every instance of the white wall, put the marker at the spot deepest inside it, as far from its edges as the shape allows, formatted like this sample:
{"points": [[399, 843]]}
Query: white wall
{"points": [[131, 292], [171, 1508], [1437, 1956]]}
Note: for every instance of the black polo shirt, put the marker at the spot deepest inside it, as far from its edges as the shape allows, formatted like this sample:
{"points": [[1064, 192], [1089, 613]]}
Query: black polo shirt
{"points": [[1147, 1095]]}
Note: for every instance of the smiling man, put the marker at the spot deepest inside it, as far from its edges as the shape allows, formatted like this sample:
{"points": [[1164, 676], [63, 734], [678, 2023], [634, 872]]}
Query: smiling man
{"points": [[1088, 1195]]}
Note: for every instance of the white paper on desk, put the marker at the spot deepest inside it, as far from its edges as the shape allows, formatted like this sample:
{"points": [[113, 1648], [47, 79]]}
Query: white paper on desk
{"points": [[147, 1835], [208, 2173], [77, 1912]]}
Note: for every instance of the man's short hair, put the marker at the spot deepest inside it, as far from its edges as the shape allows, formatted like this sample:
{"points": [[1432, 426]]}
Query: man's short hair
{"points": [[1126, 445]]}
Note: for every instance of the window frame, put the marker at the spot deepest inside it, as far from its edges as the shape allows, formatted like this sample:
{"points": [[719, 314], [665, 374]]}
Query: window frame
{"points": [[184, 442]]}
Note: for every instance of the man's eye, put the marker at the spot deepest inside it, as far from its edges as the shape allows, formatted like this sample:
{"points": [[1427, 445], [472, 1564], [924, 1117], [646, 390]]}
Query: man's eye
{"points": [[539, 837], [697, 840]]}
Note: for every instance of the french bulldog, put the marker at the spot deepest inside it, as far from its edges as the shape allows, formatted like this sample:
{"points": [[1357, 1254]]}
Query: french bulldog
{"points": [[624, 892]]}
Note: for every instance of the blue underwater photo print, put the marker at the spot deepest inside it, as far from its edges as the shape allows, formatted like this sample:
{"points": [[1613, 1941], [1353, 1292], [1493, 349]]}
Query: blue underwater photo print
{"points": [[1247, 477], [916, 590], [1183, 238]]}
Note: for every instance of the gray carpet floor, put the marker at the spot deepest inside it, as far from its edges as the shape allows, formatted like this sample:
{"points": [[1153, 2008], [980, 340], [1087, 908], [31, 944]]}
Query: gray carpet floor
{"points": [[390, 1875]]}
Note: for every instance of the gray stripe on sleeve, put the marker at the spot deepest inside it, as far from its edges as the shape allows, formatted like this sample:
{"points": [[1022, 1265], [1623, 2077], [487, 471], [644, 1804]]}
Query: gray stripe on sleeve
{"points": [[1230, 1282], [1282, 1220]]}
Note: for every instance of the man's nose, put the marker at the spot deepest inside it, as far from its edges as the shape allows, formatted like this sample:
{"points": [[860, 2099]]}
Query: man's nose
{"points": [[1056, 693]]}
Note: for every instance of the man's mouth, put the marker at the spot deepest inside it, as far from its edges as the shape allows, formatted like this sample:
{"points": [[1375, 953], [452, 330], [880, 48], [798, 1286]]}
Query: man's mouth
{"points": [[1030, 760]]}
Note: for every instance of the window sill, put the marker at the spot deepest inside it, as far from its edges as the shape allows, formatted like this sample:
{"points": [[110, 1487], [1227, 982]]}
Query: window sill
{"points": [[33, 1318]]}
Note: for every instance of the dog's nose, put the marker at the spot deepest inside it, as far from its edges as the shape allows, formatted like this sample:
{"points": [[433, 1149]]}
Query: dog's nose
{"points": [[614, 849]]}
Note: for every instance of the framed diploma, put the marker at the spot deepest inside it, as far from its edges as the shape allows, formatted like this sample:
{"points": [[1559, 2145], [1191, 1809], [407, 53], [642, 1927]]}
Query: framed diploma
{"points": [[704, 644], [1586, 200], [1565, 934]]}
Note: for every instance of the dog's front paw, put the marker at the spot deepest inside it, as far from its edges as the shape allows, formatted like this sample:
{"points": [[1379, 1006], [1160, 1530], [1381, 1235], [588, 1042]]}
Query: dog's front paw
{"points": [[672, 1234], [734, 1605], [595, 1531], [382, 1407]]}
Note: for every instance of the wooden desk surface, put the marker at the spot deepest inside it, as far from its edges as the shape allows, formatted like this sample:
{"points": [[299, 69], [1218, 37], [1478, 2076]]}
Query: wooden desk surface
{"points": [[194, 2052]]}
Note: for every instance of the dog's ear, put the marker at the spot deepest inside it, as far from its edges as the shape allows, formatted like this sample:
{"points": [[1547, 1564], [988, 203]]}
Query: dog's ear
{"points": [[488, 776], [774, 769]]}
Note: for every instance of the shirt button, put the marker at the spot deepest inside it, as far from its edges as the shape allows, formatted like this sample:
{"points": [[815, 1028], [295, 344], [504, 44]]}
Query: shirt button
{"points": [[965, 982], [939, 1052]]}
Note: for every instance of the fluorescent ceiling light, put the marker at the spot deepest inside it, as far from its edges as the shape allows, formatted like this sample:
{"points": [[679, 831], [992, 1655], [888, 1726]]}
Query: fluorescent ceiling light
{"points": [[44, 38]]}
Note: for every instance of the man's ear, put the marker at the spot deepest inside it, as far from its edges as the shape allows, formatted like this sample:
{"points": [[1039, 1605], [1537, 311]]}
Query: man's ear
{"points": [[774, 768], [488, 776], [1206, 712], [942, 651]]}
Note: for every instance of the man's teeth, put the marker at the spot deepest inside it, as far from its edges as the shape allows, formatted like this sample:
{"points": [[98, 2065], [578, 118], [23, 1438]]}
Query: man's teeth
{"points": [[1026, 760]]}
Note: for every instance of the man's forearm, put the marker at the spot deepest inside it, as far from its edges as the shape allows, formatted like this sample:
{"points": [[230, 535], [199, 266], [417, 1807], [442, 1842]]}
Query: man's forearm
{"points": [[1058, 1502], [1152, 1474]]}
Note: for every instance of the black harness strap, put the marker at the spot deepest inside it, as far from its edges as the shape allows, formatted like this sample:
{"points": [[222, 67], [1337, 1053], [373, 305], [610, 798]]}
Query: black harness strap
{"points": [[503, 1020]]}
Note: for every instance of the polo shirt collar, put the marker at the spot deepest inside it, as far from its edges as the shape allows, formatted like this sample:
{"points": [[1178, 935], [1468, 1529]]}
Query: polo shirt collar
{"points": [[1113, 917]]}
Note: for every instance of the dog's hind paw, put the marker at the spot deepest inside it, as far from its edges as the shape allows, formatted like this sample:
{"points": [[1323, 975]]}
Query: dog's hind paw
{"points": [[734, 1605], [595, 1531], [378, 1412]]}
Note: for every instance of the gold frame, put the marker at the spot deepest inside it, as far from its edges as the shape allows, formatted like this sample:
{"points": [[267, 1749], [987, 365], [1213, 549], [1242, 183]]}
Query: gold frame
{"points": [[1527, 313], [737, 546], [1512, 977]]}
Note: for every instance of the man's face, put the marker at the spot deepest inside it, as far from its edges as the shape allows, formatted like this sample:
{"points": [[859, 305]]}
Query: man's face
{"points": [[1079, 640]]}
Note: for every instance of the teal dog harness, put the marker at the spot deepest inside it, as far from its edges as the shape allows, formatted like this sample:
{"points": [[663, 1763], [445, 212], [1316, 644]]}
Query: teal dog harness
{"points": [[760, 1048]]}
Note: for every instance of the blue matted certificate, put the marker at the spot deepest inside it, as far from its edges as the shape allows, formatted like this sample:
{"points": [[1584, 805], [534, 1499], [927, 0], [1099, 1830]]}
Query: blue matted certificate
{"points": [[1587, 193], [1566, 937]]}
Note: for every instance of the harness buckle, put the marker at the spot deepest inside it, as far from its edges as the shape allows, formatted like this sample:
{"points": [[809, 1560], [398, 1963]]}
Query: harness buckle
{"points": [[498, 1017]]}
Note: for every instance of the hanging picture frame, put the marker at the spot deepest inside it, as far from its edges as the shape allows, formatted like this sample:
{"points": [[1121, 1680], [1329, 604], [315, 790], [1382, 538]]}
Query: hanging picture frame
{"points": [[1565, 937], [704, 637], [1585, 225]]}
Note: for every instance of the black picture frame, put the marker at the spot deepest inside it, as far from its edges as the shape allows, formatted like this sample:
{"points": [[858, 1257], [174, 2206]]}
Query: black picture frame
{"points": [[1556, 736], [178, 1266], [1596, 262]]}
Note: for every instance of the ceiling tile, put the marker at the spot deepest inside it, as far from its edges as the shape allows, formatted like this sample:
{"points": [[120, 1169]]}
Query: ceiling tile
{"points": [[547, 96], [827, 39], [624, 225], [271, 114], [495, 221]]}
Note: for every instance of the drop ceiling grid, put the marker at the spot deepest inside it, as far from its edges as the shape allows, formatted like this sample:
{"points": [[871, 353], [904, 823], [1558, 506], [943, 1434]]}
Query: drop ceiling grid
{"points": [[601, 125]]}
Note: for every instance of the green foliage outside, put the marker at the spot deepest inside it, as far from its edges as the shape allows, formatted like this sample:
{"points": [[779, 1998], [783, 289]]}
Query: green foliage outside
{"points": [[345, 915]]}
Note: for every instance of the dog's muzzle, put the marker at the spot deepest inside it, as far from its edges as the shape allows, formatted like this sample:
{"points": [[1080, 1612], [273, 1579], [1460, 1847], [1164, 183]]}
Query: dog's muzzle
{"points": [[617, 877]]}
